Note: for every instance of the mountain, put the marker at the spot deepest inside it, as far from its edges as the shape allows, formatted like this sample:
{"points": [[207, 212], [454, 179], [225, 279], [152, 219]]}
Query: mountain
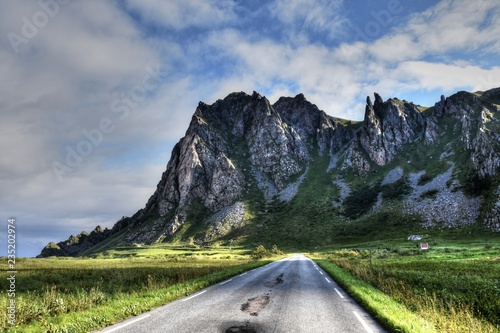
{"points": [[250, 171]]}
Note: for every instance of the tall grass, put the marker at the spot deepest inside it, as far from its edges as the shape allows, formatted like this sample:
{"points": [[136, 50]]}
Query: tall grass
{"points": [[391, 314], [454, 295], [81, 295]]}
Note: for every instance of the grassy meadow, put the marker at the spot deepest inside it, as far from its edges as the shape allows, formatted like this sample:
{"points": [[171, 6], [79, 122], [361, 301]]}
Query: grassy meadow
{"points": [[85, 294], [452, 287]]}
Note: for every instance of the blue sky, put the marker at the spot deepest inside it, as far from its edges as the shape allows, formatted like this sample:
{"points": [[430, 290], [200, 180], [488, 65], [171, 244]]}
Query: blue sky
{"points": [[94, 94]]}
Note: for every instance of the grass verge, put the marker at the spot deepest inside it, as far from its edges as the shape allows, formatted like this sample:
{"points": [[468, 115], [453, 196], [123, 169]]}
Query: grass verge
{"points": [[391, 314], [453, 287]]}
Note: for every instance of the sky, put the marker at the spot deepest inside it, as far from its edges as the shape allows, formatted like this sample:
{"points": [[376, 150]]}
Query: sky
{"points": [[95, 94]]}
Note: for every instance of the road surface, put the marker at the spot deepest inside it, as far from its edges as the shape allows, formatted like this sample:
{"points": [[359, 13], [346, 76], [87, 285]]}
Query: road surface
{"points": [[290, 295]]}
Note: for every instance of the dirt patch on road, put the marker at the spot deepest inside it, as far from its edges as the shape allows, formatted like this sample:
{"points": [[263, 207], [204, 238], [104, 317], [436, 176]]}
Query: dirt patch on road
{"points": [[273, 283], [254, 305], [240, 329]]}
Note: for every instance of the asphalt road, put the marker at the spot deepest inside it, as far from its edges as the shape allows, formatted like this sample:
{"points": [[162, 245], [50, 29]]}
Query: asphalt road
{"points": [[290, 295]]}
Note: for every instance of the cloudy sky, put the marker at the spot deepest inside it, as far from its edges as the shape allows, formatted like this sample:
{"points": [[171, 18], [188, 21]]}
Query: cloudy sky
{"points": [[94, 94]]}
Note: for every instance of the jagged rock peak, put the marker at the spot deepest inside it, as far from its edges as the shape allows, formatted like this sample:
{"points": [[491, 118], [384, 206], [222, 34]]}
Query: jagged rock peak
{"points": [[256, 95], [388, 126], [378, 99], [300, 97], [369, 101], [439, 107]]}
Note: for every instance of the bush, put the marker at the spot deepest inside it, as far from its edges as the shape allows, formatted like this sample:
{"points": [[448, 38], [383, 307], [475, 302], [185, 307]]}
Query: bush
{"points": [[424, 179], [260, 252], [276, 251], [429, 194]]}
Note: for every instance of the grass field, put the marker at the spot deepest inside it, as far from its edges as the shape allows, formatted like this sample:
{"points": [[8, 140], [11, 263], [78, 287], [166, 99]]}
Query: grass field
{"points": [[453, 288], [84, 294]]}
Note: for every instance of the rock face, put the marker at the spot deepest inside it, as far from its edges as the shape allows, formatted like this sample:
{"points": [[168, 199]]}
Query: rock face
{"points": [[243, 146], [447, 207], [387, 127], [480, 128], [240, 140]]}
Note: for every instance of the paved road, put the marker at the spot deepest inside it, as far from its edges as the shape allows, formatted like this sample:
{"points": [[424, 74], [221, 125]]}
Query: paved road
{"points": [[290, 295]]}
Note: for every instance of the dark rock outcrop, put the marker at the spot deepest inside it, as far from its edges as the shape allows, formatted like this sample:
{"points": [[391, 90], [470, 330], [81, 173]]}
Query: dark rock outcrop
{"points": [[75, 245], [389, 125]]}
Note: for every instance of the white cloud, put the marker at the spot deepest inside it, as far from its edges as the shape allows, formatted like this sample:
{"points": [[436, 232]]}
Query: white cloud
{"points": [[458, 25], [447, 77], [324, 16], [62, 81], [50, 210], [396, 48], [311, 69], [434, 50]]}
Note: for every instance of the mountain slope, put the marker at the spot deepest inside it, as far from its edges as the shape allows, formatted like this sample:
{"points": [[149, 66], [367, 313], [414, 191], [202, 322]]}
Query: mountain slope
{"points": [[289, 173]]}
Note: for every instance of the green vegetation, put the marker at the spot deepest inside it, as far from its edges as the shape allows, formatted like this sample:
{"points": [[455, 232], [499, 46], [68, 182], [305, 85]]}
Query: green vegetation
{"points": [[312, 220], [360, 201], [396, 190], [424, 179], [451, 288], [84, 294], [193, 227], [261, 252], [431, 194], [393, 315]]}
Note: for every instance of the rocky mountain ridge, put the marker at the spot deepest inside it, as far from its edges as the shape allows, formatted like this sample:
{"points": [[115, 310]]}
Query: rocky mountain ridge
{"points": [[241, 154]]}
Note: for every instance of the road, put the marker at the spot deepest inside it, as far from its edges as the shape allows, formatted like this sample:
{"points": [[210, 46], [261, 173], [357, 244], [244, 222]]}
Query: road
{"points": [[290, 295]]}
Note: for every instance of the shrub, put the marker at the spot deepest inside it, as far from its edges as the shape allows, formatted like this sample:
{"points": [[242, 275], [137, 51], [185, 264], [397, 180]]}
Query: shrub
{"points": [[429, 194], [260, 252], [424, 179], [276, 251]]}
